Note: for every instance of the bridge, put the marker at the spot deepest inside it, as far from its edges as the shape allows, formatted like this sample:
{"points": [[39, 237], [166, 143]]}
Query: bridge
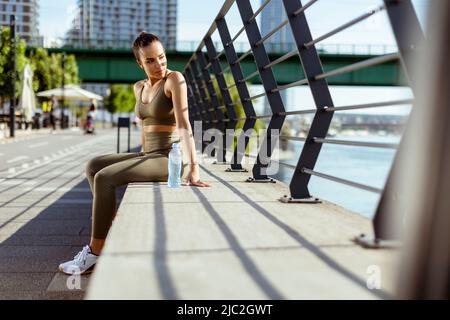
{"points": [[245, 239], [118, 65]]}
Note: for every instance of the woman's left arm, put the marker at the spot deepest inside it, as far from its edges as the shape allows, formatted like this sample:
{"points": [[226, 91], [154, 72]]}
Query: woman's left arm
{"points": [[178, 89]]}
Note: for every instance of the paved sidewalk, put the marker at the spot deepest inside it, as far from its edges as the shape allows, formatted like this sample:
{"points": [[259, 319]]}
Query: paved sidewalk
{"points": [[19, 134], [45, 219]]}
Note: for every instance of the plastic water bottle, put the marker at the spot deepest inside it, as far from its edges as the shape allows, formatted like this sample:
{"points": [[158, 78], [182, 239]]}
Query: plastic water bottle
{"points": [[175, 162]]}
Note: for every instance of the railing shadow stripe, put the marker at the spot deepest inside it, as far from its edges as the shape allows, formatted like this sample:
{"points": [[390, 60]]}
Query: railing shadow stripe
{"points": [[303, 241], [251, 268], [165, 281]]}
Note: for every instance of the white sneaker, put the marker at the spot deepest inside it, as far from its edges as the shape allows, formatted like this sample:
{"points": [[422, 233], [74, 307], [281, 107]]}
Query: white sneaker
{"points": [[82, 263]]}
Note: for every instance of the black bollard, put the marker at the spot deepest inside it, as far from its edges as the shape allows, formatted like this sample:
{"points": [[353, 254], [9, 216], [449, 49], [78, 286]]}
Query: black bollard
{"points": [[12, 107], [123, 123]]}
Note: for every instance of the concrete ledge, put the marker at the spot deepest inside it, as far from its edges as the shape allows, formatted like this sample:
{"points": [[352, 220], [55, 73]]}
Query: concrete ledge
{"points": [[235, 241]]}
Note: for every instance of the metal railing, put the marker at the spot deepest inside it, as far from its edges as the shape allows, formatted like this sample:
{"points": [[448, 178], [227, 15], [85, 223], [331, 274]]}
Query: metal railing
{"points": [[206, 59]]}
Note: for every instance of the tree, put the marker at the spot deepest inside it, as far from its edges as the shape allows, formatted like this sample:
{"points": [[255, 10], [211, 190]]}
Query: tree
{"points": [[70, 71], [121, 99], [41, 70], [47, 70], [6, 72]]}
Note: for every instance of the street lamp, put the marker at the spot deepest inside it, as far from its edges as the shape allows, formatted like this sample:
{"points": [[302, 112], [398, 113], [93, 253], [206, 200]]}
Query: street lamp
{"points": [[12, 106], [63, 66]]}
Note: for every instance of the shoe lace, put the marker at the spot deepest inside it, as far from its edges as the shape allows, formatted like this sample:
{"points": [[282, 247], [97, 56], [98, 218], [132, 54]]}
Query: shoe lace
{"points": [[82, 255]]}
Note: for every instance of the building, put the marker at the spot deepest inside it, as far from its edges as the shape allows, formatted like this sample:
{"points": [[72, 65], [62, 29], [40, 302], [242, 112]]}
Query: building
{"points": [[271, 16], [116, 23], [27, 17], [282, 41]]}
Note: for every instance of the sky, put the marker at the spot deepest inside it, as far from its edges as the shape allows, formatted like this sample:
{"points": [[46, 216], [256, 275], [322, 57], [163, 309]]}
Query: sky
{"points": [[195, 18]]}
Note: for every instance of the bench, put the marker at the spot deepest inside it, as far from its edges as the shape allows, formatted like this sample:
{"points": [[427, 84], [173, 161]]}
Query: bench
{"points": [[234, 241], [19, 119]]}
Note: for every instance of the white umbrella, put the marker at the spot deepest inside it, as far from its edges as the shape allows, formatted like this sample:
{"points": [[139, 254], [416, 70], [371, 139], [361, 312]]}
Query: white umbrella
{"points": [[27, 101], [71, 92]]}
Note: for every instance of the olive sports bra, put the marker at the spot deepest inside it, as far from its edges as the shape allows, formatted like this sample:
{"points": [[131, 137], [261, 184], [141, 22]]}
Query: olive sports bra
{"points": [[159, 110]]}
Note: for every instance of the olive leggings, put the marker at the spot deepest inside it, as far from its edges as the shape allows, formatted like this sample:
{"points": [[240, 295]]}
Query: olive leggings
{"points": [[106, 172]]}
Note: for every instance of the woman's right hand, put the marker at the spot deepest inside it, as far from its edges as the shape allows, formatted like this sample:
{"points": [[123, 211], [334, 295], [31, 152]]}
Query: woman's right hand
{"points": [[193, 178]]}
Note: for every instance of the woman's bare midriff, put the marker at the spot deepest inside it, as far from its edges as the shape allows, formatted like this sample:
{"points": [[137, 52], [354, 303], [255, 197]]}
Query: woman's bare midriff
{"points": [[159, 128]]}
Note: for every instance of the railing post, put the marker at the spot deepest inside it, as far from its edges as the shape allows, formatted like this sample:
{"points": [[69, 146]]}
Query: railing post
{"points": [[192, 94], [244, 95], [201, 92], [12, 106], [269, 83], [195, 93], [193, 114], [207, 123], [228, 102], [409, 38], [321, 94], [196, 98], [220, 151]]}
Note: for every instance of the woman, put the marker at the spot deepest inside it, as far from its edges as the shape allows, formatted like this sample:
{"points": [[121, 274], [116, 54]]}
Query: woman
{"points": [[90, 118], [161, 104]]}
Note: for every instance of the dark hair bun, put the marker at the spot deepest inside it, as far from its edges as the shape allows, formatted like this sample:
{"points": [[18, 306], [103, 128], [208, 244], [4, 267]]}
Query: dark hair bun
{"points": [[143, 40]]}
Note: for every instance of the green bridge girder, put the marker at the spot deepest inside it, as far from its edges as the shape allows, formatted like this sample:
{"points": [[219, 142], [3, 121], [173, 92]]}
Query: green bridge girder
{"points": [[119, 66]]}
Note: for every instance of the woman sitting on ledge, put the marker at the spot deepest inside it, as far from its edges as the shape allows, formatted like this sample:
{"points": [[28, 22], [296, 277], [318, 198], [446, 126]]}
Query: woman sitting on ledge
{"points": [[161, 104]]}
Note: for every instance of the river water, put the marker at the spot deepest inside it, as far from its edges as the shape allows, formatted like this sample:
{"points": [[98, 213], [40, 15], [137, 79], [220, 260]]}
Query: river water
{"points": [[368, 166]]}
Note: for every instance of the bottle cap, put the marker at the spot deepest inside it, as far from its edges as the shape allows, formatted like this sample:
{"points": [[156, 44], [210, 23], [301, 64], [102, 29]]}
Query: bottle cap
{"points": [[175, 145]]}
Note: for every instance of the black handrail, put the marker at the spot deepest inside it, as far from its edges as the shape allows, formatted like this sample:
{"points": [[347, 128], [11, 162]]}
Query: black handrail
{"points": [[314, 76]]}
